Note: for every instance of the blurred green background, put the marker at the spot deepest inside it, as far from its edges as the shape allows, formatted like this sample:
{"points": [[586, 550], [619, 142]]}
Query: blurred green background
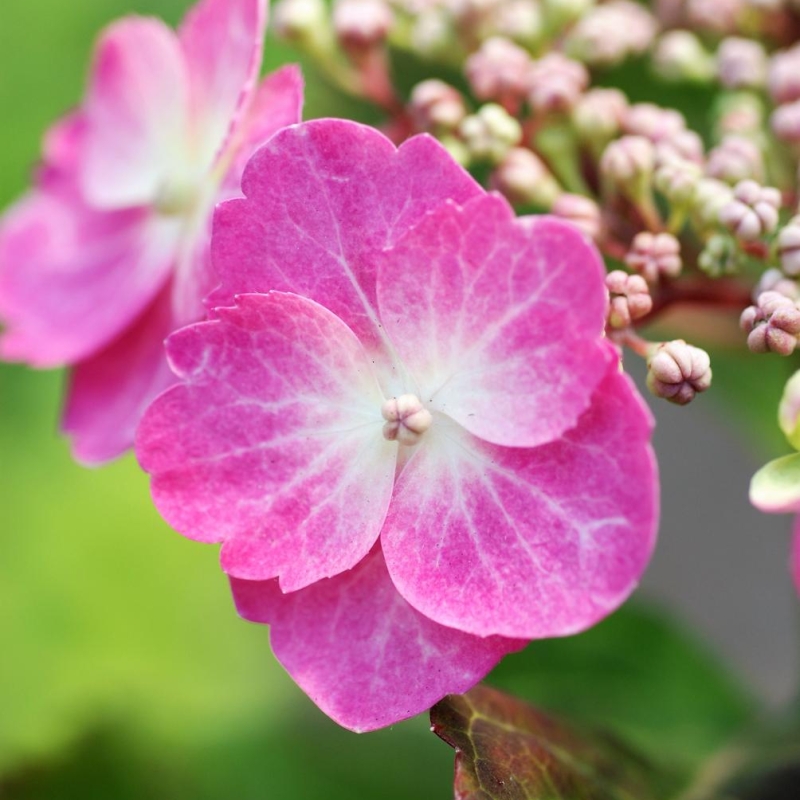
{"points": [[124, 671]]}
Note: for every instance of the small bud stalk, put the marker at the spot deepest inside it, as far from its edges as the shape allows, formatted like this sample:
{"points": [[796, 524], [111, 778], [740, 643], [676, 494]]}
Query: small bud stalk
{"points": [[406, 419]]}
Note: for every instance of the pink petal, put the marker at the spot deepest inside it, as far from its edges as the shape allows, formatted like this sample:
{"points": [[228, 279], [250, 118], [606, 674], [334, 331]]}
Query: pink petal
{"points": [[502, 329], [109, 392], [72, 279], [62, 153], [136, 114], [274, 444], [277, 103], [322, 198], [527, 543], [222, 41], [360, 652]]}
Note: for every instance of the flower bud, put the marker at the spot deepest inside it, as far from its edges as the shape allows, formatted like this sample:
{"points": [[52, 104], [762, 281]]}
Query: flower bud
{"points": [[524, 179], [773, 280], [741, 63], [431, 32], [783, 78], [785, 121], [361, 24], [735, 159], [498, 70], [598, 114], [555, 83], [789, 411], [628, 160], [680, 56], [561, 13], [716, 16], [436, 106], [655, 256], [710, 195], [719, 257], [581, 211], [772, 324], [677, 180], [490, 133], [753, 211], [299, 20], [739, 113], [520, 20], [629, 299], [677, 371], [685, 145], [789, 247], [653, 122]]}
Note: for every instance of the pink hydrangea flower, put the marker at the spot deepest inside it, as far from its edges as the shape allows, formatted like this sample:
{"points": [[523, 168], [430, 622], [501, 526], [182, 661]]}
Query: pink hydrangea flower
{"points": [[403, 423], [109, 252]]}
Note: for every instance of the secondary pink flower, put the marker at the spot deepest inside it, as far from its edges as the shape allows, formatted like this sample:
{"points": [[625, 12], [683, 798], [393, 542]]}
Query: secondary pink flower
{"points": [[403, 423], [109, 252]]}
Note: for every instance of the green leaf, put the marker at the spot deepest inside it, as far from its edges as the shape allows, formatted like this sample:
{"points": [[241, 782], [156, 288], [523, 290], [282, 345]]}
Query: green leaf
{"points": [[639, 674], [505, 750]]}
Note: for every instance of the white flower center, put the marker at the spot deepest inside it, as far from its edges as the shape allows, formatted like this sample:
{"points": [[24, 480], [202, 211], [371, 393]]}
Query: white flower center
{"points": [[406, 419], [179, 194]]}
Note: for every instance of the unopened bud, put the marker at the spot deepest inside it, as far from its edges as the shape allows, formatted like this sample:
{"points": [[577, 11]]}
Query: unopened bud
{"points": [[655, 256], [299, 20], [361, 24], [677, 371], [789, 247], [598, 114], [581, 211], [431, 32], [719, 257], [710, 195], [716, 16], [772, 324], [789, 411], [524, 179], [520, 20], [785, 121], [680, 56], [783, 79], [628, 299], [773, 280], [555, 83], [677, 180], [561, 13], [753, 211], [739, 113], [436, 106], [498, 70], [686, 145], [653, 122], [735, 159], [490, 133], [741, 63], [628, 160]]}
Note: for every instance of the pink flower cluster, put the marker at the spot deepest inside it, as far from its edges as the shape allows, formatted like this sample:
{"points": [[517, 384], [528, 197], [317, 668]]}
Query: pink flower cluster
{"points": [[109, 252], [402, 422]]}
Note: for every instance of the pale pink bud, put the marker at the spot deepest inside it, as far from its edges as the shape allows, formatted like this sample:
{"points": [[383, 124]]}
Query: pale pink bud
{"points": [[677, 371], [655, 255], [524, 179], [677, 180], [436, 106], [710, 195], [498, 70], [789, 247], [520, 20], [685, 145], [431, 32], [773, 280], [555, 83], [785, 122], [406, 419], [653, 122], [741, 63], [735, 159], [628, 159], [628, 298], [490, 133], [772, 324], [680, 56], [783, 78], [599, 113], [753, 211], [718, 16], [361, 23], [581, 211]]}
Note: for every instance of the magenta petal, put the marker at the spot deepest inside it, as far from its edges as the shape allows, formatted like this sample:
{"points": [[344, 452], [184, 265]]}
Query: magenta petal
{"points": [[521, 542], [502, 330], [109, 392], [360, 652], [72, 279], [222, 42], [273, 445], [137, 113], [322, 198]]}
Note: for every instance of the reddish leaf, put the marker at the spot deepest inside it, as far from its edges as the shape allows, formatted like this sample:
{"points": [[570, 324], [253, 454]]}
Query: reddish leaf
{"points": [[507, 750]]}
